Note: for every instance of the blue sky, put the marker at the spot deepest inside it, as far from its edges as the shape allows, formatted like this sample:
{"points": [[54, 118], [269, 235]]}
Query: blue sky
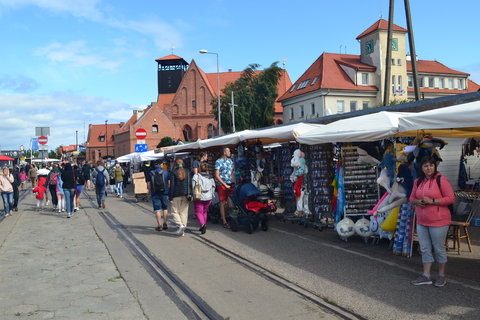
{"points": [[68, 63]]}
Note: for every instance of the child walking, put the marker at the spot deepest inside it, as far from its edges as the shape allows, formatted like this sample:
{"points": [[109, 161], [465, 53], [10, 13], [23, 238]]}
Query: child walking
{"points": [[40, 196]]}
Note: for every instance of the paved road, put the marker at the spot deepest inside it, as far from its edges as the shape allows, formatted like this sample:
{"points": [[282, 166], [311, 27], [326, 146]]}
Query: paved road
{"points": [[80, 264]]}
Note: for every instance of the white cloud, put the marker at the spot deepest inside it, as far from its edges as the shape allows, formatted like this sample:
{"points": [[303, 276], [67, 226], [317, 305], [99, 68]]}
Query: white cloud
{"points": [[63, 112], [87, 9], [20, 84], [75, 53]]}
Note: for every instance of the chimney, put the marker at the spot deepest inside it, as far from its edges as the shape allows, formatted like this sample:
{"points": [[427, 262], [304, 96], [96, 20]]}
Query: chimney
{"points": [[229, 70]]}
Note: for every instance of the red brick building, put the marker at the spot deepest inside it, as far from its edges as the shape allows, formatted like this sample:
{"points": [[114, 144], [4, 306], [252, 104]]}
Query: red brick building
{"points": [[183, 109], [100, 143]]}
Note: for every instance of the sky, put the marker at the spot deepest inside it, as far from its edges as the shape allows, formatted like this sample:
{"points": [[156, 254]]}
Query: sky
{"points": [[65, 64]]}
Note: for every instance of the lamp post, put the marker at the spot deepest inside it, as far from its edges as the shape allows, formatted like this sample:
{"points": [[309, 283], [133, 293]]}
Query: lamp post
{"points": [[203, 51], [106, 141]]}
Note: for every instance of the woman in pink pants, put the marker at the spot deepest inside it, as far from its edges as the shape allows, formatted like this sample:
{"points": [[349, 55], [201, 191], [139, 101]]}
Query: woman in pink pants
{"points": [[207, 187]]}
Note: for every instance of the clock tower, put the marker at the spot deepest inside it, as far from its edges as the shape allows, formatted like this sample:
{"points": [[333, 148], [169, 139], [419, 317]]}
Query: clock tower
{"points": [[373, 47]]}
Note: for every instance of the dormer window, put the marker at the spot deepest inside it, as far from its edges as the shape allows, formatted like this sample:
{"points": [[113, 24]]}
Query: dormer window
{"points": [[293, 87], [314, 80], [101, 138]]}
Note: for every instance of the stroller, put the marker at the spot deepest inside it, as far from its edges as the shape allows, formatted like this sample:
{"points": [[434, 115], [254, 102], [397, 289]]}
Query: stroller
{"points": [[248, 211]]}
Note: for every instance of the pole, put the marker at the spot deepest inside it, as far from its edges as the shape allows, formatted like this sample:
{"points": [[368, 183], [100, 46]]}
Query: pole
{"points": [[218, 97], [388, 63], [232, 111], [413, 54], [106, 141]]}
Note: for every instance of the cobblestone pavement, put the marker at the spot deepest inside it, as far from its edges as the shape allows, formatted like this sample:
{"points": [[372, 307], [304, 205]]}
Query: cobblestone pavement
{"points": [[52, 267]]}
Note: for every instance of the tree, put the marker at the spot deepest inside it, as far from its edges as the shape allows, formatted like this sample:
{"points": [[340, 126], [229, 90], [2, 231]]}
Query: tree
{"points": [[165, 142], [255, 95]]}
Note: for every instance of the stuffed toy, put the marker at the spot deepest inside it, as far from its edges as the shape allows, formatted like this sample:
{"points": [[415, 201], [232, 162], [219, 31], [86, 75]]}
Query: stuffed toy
{"points": [[345, 228], [365, 158], [384, 180], [362, 228], [389, 162]]}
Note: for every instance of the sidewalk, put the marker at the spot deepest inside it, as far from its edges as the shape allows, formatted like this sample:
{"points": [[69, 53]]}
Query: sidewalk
{"points": [[52, 267]]}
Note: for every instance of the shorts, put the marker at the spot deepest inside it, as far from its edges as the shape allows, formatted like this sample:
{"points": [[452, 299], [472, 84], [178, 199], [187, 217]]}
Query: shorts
{"points": [[78, 189], [160, 202], [223, 192]]}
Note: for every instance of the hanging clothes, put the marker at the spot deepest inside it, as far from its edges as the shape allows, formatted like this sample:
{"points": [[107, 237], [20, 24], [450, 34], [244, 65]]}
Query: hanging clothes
{"points": [[402, 244]]}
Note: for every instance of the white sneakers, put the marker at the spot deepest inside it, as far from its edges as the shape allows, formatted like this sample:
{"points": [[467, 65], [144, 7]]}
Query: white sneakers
{"points": [[181, 230]]}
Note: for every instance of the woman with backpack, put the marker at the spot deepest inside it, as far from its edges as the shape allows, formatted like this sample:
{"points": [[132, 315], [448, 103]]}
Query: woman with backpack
{"points": [[180, 194], [431, 195], [68, 178], [52, 185], [203, 192]]}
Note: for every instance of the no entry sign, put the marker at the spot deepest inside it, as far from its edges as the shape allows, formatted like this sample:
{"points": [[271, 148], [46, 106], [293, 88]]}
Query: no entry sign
{"points": [[141, 134], [42, 140]]}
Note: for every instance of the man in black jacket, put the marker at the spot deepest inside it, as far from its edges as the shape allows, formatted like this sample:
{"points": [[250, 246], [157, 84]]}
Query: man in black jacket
{"points": [[16, 183]]}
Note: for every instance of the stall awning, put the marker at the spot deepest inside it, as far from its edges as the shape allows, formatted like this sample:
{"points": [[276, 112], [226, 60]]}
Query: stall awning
{"points": [[278, 134], [369, 127], [459, 121]]}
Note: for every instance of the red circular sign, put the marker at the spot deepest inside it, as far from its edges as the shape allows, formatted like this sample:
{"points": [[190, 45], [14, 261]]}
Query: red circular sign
{"points": [[42, 140], [141, 134]]}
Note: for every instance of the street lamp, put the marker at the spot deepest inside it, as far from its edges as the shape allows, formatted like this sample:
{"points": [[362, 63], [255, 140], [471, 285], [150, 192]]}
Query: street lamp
{"points": [[106, 141], [203, 51]]}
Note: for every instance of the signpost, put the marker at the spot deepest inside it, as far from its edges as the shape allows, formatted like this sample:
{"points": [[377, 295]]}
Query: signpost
{"points": [[141, 146], [141, 134], [42, 140]]}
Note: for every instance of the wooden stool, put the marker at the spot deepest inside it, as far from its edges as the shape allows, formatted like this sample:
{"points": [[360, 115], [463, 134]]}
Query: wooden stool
{"points": [[455, 234]]}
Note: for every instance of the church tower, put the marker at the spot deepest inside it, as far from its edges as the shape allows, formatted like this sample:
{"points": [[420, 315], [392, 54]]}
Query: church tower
{"points": [[170, 73], [373, 44]]}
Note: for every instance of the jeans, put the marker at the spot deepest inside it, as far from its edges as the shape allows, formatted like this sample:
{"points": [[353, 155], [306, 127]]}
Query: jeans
{"points": [[69, 194], [7, 201], [119, 188], [429, 237], [100, 192], [53, 192], [201, 208]]}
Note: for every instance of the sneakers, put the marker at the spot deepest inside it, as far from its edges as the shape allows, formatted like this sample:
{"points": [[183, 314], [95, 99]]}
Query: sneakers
{"points": [[158, 228], [48, 202], [440, 281], [165, 227], [181, 230], [422, 280], [69, 215], [203, 229]]}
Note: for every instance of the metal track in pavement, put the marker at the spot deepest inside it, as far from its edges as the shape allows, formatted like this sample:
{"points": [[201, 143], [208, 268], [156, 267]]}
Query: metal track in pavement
{"points": [[279, 280], [185, 298]]}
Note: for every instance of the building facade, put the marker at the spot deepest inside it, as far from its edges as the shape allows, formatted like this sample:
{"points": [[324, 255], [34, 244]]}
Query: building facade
{"points": [[338, 83], [101, 143]]}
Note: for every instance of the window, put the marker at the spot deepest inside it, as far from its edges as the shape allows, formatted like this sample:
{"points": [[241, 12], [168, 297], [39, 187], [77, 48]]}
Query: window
{"points": [[302, 113], [393, 84], [399, 84], [340, 106], [431, 82], [314, 80], [460, 84], [293, 87], [154, 128], [194, 103], [303, 84], [393, 62], [399, 62], [422, 80], [291, 113], [365, 104], [210, 131], [312, 108], [410, 81], [353, 106], [187, 133], [450, 83], [365, 79], [101, 138], [441, 83]]}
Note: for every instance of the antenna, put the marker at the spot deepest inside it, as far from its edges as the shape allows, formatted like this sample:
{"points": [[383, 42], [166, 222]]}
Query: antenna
{"points": [[172, 48]]}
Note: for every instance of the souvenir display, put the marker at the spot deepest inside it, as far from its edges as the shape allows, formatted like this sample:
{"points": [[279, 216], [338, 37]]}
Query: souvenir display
{"points": [[281, 157], [319, 181], [345, 228], [361, 190]]}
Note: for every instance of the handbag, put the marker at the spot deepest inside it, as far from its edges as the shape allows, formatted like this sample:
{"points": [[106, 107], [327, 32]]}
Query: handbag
{"points": [[197, 191]]}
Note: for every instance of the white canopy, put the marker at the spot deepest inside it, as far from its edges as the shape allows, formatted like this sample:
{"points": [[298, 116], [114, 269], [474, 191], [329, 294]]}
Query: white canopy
{"points": [[459, 121], [278, 134], [140, 156], [369, 127]]}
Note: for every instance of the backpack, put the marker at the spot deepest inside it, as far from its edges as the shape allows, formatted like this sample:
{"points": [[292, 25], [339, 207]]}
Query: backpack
{"points": [[53, 179], [197, 191], [100, 179], [439, 179], [80, 178], [158, 182]]}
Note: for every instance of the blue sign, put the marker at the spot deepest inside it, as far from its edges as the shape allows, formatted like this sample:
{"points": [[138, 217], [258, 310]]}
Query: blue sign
{"points": [[141, 147], [82, 149], [34, 144]]}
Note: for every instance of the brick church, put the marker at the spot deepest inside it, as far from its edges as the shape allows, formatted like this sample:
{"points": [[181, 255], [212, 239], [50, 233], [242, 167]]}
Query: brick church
{"points": [[183, 110]]}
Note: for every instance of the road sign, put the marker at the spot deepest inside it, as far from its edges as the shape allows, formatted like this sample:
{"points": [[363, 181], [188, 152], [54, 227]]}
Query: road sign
{"points": [[141, 147], [22, 148], [141, 133], [42, 140], [34, 144], [82, 148]]}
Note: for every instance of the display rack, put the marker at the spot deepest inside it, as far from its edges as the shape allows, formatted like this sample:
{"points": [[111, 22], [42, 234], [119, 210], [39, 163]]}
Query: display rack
{"points": [[361, 188], [282, 157], [319, 160]]}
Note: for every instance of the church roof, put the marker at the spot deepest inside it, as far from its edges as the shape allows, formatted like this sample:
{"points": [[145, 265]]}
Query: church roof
{"points": [[380, 25]]}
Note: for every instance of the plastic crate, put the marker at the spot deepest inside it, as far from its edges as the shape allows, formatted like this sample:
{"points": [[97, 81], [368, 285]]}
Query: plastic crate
{"points": [[475, 222]]}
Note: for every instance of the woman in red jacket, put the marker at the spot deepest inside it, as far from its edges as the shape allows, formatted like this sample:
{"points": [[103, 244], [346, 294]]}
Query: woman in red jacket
{"points": [[431, 195]]}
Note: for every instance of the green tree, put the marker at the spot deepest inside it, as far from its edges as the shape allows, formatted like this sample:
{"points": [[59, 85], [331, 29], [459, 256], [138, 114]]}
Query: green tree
{"points": [[255, 95], [165, 142]]}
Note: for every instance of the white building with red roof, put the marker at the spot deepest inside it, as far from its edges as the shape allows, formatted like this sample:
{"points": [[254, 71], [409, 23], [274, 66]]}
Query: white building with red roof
{"points": [[338, 83]]}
